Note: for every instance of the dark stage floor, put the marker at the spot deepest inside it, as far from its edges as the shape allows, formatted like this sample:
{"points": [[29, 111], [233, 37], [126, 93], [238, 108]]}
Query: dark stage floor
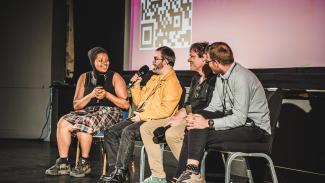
{"points": [[26, 161]]}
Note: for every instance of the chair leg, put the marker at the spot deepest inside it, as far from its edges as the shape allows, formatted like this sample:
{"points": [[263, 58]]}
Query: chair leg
{"points": [[104, 160], [273, 173], [133, 170], [202, 169], [223, 158], [230, 158], [143, 160], [248, 171], [162, 148], [142, 164], [239, 154], [78, 152]]}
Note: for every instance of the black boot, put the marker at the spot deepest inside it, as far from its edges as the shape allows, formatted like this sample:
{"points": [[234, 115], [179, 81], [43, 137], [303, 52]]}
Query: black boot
{"points": [[118, 176]]}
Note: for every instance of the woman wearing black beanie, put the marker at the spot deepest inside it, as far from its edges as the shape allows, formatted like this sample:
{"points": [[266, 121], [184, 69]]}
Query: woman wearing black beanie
{"points": [[100, 95]]}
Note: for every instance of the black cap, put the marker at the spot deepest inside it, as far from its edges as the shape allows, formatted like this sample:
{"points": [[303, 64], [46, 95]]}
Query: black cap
{"points": [[92, 53]]}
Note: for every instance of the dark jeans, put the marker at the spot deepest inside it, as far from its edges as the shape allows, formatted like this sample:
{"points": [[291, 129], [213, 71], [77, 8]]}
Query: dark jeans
{"points": [[119, 143], [195, 141]]}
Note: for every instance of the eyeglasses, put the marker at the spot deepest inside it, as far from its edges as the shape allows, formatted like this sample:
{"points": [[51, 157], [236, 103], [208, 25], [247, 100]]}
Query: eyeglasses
{"points": [[208, 61], [155, 58]]}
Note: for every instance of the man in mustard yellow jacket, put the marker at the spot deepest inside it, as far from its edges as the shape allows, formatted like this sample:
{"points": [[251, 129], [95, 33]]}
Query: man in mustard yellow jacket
{"points": [[158, 99]]}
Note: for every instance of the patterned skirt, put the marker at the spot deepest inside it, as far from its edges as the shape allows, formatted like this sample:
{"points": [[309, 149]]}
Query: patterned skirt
{"points": [[93, 118]]}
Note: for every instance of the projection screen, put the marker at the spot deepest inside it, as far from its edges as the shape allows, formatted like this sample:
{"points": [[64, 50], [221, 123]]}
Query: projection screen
{"points": [[262, 34]]}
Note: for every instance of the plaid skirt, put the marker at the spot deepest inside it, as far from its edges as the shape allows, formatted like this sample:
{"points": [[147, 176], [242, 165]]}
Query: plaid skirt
{"points": [[93, 118]]}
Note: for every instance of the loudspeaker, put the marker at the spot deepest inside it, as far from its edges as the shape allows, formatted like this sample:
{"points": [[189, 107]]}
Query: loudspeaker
{"points": [[62, 103]]}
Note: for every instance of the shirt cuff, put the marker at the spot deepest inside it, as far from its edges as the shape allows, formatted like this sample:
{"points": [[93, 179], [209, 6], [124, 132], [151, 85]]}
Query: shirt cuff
{"points": [[219, 124]]}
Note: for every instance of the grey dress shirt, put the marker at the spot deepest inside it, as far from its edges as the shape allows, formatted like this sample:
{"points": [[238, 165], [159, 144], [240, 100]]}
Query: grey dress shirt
{"points": [[240, 90]]}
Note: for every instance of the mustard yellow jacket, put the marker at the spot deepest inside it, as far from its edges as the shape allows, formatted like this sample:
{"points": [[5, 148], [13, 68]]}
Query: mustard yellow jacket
{"points": [[161, 96]]}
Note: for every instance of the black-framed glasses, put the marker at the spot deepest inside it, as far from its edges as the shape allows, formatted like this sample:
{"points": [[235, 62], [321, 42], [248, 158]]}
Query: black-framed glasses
{"points": [[208, 61], [155, 58]]}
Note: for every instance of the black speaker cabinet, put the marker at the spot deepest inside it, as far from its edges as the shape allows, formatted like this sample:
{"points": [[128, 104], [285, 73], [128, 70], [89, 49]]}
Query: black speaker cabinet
{"points": [[62, 99]]}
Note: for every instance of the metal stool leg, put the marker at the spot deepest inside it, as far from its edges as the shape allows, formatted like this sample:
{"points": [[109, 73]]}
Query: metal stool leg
{"points": [[230, 158], [78, 152], [104, 160], [248, 171], [162, 148], [274, 177], [143, 160], [142, 164], [202, 170]]}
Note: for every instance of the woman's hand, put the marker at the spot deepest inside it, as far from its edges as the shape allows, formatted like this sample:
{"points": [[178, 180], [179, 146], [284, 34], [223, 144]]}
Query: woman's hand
{"points": [[98, 92]]}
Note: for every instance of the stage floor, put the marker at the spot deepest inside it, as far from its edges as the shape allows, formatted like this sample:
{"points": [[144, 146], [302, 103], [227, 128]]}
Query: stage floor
{"points": [[27, 160]]}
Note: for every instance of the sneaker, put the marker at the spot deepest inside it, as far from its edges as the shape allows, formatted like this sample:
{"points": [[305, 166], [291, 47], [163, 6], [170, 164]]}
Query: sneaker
{"points": [[117, 176], [81, 169], [152, 179], [58, 168], [174, 180], [190, 177]]}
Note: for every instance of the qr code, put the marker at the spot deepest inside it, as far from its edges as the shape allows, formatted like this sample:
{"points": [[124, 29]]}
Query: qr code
{"points": [[165, 23]]}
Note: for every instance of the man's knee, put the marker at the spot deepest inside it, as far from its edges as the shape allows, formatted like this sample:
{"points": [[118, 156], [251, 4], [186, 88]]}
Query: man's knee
{"points": [[174, 135], [128, 132], [109, 134], [146, 129]]}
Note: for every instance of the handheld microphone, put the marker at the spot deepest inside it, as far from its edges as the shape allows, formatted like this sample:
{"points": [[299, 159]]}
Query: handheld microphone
{"points": [[142, 71], [100, 81]]}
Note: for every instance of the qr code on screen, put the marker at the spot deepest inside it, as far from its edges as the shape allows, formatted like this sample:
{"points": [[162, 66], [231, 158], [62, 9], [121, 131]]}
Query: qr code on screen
{"points": [[165, 23]]}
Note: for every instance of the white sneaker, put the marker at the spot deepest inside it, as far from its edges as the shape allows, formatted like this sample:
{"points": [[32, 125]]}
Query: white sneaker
{"points": [[190, 177]]}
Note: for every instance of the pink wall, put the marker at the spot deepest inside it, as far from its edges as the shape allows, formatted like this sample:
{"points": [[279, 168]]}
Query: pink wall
{"points": [[262, 34]]}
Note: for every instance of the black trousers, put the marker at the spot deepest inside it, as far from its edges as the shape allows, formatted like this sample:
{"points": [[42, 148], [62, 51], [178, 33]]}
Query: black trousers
{"points": [[119, 143], [195, 141]]}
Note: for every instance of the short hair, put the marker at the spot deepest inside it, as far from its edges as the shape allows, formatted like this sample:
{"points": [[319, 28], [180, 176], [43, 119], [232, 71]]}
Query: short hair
{"points": [[92, 54], [199, 48], [222, 52], [168, 54]]}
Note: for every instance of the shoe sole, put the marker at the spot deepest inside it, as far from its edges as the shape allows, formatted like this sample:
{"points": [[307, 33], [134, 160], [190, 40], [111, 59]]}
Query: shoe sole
{"points": [[65, 172], [80, 175]]}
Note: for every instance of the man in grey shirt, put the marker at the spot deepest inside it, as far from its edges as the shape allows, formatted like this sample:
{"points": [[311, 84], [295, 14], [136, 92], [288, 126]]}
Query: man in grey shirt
{"points": [[240, 99]]}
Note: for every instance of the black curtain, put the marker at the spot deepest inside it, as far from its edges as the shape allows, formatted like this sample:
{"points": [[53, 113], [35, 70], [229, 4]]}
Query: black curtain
{"points": [[98, 23]]}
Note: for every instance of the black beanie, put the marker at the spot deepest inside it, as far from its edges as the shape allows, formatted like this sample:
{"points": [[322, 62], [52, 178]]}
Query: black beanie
{"points": [[92, 53]]}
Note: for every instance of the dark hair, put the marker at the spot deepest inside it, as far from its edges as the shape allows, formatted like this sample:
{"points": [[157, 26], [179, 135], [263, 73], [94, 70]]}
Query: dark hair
{"points": [[92, 54], [221, 52], [168, 54], [199, 48]]}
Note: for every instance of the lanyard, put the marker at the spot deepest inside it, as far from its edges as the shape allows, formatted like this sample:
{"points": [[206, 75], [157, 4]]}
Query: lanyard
{"points": [[225, 85]]}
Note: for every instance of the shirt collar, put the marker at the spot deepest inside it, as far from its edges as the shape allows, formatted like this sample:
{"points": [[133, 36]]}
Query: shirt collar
{"points": [[229, 71], [170, 73]]}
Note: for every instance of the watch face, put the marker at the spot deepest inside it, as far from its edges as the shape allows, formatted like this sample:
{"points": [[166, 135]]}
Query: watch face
{"points": [[211, 122]]}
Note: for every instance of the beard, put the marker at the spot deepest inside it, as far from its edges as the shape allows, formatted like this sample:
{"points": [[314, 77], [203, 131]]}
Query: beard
{"points": [[158, 67]]}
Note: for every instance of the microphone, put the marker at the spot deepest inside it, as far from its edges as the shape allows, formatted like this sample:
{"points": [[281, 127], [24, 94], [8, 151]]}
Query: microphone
{"points": [[142, 71], [100, 81]]}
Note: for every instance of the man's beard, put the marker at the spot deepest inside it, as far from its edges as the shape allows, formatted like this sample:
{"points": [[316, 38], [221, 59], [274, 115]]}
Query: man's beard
{"points": [[158, 67]]}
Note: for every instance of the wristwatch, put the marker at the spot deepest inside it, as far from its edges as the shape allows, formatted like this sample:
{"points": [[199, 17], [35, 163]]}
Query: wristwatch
{"points": [[211, 123]]}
